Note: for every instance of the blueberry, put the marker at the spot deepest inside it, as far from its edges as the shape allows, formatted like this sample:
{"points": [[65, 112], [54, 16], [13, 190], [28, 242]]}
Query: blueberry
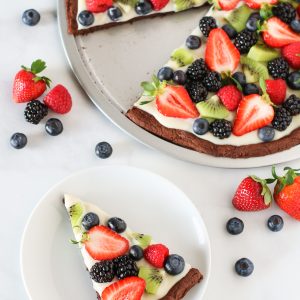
{"points": [[18, 140], [90, 220], [136, 252], [114, 13], [256, 16], [293, 80], [200, 126], [179, 77], [86, 18], [251, 24], [174, 264], [266, 134], [143, 7], [165, 73], [103, 150], [193, 42], [54, 127], [275, 223], [250, 88], [116, 224], [244, 267], [230, 31], [31, 17], [295, 25], [240, 78], [235, 226]]}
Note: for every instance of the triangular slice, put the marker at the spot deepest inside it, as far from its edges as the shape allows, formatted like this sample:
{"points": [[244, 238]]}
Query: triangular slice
{"points": [[124, 264]]}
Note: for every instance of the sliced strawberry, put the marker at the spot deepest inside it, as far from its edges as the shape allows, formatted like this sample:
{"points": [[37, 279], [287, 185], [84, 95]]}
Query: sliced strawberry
{"points": [[220, 54], [97, 6], [130, 288], [291, 54], [276, 89], [159, 4], [228, 4], [253, 113], [256, 4], [174, 101], [103, 243], [278, 34]]}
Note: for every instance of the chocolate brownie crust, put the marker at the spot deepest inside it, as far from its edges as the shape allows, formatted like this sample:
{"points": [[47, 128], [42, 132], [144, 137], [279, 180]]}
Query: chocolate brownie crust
{"points": [[190, 141]]}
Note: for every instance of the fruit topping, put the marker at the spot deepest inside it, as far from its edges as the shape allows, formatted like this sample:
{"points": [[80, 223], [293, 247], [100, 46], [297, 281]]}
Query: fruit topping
{"points": [[230, 31], [253, 70], [266, 134], [230, 97], [292, 105], [228, 4], [143, 7], [278, 68], [18, 140], [244, 267], [97, 6], [239, 77], [256, 4], [235, 226], [31, 17], [197, 70], [35, 111], [276, 90], [54, 127], [262, 53], [212, 81], [90, 220], [153, 278], [114, 13], [116, 224], [124, 267], [293, 80], [220, 129], [282, 119], [291, 53], [238, 17], [159, 4], [182, 57], [174, 264], [86, 18], [295, 25], [142, 240], [206, 24], [103, 150], [102, 271], [212, 108], [245, 40], [275, 223], [75, 212], [179, 77], [183, 4], [252, 24], [136, 252], [156, 255], [285, 12], [165, 73], [200, 126], [250, 89], [193, 42], [197, 91]]}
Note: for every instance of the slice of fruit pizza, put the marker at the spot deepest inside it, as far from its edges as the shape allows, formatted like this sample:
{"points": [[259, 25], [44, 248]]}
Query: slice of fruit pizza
{"points": [[124, 264], [232, 89]]}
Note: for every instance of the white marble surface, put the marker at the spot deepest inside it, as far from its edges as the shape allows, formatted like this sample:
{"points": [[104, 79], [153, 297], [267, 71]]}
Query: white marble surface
{"points": [[25, 175]]}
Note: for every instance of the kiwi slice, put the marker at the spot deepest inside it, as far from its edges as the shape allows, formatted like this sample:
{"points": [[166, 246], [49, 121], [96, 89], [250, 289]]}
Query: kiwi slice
{"points": [[182, 57], [153, 278], [131, 3], [262, 53], [238, 17], [143, 240], [76, 213], [183, 4], [212, 108], [253, 70]]}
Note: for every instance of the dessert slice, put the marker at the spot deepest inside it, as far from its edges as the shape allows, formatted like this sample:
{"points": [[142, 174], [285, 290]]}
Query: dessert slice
{"points": [[124, 264]]}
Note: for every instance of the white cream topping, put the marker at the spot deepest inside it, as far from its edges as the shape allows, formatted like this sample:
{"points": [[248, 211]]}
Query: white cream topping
{"points": [[168, 280]]}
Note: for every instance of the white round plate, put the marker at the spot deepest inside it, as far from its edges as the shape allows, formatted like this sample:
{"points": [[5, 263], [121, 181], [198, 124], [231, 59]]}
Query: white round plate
{"points": [[53, 269]]}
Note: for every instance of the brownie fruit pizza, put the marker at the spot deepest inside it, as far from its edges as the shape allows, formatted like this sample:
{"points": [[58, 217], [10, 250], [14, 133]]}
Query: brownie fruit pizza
{"points": [[124, 264]]}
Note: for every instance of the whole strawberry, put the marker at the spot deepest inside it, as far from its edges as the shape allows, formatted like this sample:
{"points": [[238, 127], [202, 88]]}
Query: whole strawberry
{"points": [[59, 100], [97, 6], [252, 194], [28, 85], [276, 89], [156, 255], [159, 4], [230, 96], [291, 54]]}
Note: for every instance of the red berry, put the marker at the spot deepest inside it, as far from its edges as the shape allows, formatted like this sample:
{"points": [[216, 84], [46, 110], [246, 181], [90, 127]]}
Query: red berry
{"points": [[256, 4], [159, 4], [156, 255], [97, 6], [228, 4], [230, 96], [276, 89], [291, 54]]}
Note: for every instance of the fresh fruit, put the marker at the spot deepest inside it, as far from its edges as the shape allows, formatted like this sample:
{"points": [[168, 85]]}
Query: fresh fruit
{"points": [[256, 4], [282, 119], [98, 6], [31, 17], [179, 77], [238, 17], [182, 57], [221, 129], [212, 81], [245, 40], [156, 254], [136, 252], [285, 12], [230, 96], [228, 4], [18, 140], [103, 150], [278, 34], [250, 89], [193, 42], [252, 194], [230, 31], [35, 111], [266, 134], [244, 267], [183, 4], [197, 91], [76, 211], [275, 223], [142, 240], [54, 127], [207, 24], [86, 18], [174, 264], [295, 25], [220, 54], [90, 220], [253, 70], [114, 13], [239, 77], [102, 271], [165, 73], [102, 243], [129, 288], [143, 7], [276, 90], [278, 68], [124, 267], [252, 24], [291, 54], [159, 4], [197, 70], [212, 108], [292, 105], [153, 278], [116, 224], [235, 226], [293, 80], [262, 53], [200, 126]]}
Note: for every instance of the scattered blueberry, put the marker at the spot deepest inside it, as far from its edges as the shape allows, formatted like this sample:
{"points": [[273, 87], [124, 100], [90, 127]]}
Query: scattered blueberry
{"points": [[103, 150], [244, 267], [230, 31], [31, 17], [293, 80], [200, 126], [240, 78], [235, 226], [266, 134], [54, 127], [18, 140], [275, 223], [114, 13], [251, 24], [165, 73], [250, 88], [136, 252], [295, 25], [143, 7], [116, 224], [86, 18], [174, 264], [179, 77], [90, 220], [193, 42]]}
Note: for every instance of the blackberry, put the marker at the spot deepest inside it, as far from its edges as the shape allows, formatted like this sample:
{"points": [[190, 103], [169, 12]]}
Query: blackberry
{"points": [[285, 12], [245, 40], [278, 68], [196, 91], [282, 119], [102, 271], [292, 104], [35, 111], [220, 128], [212, 81], [207, 24], [124, 267], [197, 70]]}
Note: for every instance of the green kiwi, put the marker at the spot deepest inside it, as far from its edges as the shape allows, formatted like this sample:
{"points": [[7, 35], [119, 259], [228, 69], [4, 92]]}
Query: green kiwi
{"points": [[76, 213], [253, 70], [182, 57], [153, 278], [131, 3], [183, 4], [212, 108], [238, 17], [262, 53], [140, 239]]}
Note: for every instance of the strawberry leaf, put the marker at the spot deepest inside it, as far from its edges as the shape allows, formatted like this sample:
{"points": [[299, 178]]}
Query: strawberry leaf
{"points": [[266, 193], [145, 102], [38, 66]]}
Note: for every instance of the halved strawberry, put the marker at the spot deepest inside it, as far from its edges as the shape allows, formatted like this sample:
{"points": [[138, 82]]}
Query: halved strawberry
{"points": [[159, 4], [220, 54], [278, 34], [253, 113], [228, 4], [103, 243], [256, 4], [97, 6], [130, 288]]}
